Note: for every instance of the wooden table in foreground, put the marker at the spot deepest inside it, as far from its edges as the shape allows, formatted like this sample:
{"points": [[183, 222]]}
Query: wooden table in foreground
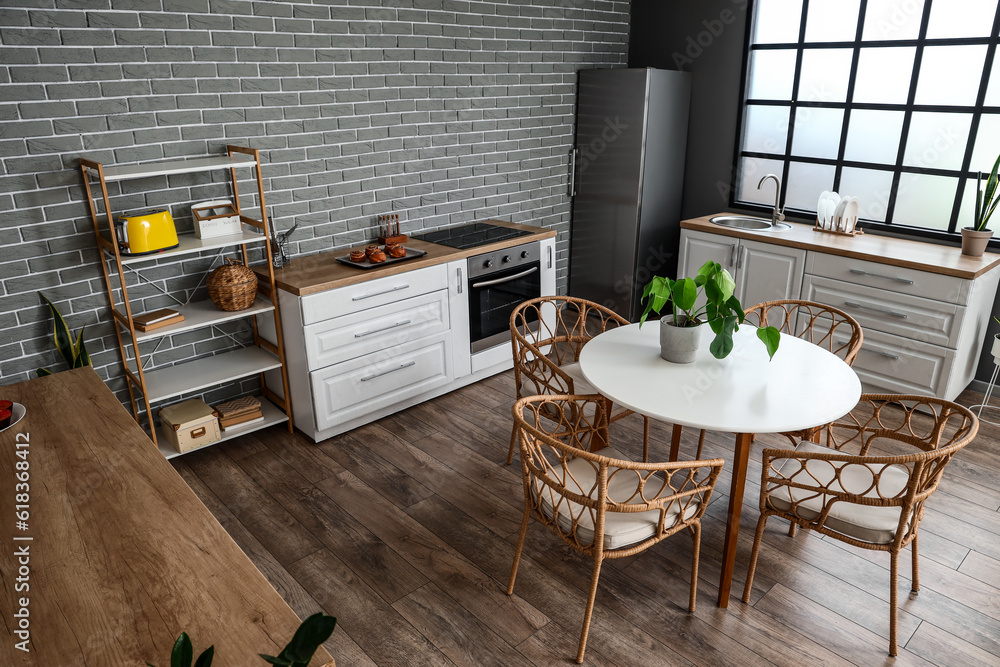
{"points": [[802, 387], [122, 556]]}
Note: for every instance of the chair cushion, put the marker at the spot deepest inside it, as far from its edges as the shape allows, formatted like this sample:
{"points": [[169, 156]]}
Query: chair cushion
{"points": [[865, 523], [580, 387], [620, 528]]}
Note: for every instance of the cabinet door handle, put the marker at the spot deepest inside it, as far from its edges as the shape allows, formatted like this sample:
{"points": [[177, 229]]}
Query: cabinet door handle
{"points": [[375, 331], [742, 256], [890, 355], [572, 172], [862, 272], [458, 280], [732, 254], [891, 313], [388, 291], [391, 370], [549, 249]]}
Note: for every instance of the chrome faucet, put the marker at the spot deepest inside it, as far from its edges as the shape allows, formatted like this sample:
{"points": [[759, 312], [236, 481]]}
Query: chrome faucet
{"points": [[776, 215]]}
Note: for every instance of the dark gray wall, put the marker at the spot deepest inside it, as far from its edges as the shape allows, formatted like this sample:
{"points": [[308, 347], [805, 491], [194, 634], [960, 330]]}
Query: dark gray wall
{"points": [[443, 111], [704, 37]]}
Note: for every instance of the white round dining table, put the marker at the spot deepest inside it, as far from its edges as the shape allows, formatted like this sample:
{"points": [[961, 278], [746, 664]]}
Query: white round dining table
{"points": [[803, 386]]}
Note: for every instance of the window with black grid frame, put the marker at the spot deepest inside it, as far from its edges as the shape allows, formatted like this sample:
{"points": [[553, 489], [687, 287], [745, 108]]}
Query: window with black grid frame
{"points": [[896, 102]]}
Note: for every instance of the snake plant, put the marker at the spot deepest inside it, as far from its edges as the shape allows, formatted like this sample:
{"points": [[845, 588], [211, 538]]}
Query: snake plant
{"points": [[986, 200], [74, 352]]}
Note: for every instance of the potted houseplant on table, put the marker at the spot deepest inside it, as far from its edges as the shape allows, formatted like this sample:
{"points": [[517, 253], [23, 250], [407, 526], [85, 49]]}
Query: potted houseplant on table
{"points": [[975, 238], [681, 331]]}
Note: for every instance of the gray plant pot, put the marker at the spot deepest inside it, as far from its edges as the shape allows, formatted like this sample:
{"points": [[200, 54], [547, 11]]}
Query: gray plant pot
{"points": [[973, 242], [679, 344]]}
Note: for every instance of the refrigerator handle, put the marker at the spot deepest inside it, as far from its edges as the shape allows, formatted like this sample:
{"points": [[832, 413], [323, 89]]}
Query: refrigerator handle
{"points": [[572, 172]]}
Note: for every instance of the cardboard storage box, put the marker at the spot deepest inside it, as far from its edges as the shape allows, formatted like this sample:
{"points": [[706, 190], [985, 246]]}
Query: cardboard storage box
{"points": [[189, 425]]}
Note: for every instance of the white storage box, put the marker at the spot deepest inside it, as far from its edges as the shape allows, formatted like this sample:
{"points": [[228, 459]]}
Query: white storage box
{"points": [[215, 218], [189, 425]]}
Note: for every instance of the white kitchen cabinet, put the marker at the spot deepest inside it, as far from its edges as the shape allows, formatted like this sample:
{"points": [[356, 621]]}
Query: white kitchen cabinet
{"points": [[923, 330], [762, 271]]}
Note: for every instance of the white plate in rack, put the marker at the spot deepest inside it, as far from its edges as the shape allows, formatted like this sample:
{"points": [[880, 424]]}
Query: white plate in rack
{"points": [[17, 413]]}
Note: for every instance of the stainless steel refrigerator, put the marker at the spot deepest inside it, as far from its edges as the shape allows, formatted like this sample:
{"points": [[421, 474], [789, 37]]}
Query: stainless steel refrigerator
{"points": [[628, 174]]}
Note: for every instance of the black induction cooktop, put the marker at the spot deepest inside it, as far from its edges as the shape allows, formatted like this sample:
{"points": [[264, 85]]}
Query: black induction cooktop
{"points": [[471, 236]]}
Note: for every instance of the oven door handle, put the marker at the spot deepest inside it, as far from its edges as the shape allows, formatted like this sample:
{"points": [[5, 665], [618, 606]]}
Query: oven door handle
{"points": [[500, 281]]}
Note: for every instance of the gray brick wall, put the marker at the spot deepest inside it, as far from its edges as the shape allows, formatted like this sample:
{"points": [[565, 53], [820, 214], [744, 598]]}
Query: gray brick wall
{"points": [[442, 111]]}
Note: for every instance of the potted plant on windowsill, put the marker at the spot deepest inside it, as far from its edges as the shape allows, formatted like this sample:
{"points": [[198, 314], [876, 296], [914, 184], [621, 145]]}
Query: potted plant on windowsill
{"points": [[975, 238], [681, 331]]}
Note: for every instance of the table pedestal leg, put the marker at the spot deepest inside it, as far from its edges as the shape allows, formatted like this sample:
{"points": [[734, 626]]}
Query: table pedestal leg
{"points": [[675, 441], [740, 458]]}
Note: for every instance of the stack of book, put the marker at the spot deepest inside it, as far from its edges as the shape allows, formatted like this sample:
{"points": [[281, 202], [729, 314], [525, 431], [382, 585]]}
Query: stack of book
{"points": [[239, 412], [157, 319]]}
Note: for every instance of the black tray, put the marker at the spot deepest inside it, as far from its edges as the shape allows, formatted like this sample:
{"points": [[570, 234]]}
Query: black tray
{"points": [[411, 253]]}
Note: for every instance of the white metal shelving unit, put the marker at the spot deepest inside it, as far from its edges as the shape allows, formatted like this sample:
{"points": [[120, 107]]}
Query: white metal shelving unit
{"points": [[146, 387]]}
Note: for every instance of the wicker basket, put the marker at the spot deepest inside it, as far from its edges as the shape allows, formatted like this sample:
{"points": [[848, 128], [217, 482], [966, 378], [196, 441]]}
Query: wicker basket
{"points": [[232, 286]]}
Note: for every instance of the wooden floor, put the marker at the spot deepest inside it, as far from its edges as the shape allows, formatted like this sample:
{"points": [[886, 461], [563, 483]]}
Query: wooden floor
{"points": [[405, 530]]}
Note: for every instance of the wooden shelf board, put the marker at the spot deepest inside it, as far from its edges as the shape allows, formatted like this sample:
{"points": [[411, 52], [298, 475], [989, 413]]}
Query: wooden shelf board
{"points": [[202, 314], [189, 243], [272, 416], [192, 376], [169, 167]]}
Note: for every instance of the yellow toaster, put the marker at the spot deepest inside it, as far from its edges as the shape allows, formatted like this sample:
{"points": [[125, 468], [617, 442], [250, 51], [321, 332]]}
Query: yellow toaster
{"points": [[146, 231]]}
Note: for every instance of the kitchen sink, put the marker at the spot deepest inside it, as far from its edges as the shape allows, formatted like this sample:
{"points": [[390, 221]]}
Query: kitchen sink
{"points": [[748, 222]]}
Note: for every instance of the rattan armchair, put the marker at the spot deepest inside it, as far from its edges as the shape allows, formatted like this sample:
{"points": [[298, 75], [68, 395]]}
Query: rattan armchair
{"points": [[600, 503], [868, 485], [547, 335]]}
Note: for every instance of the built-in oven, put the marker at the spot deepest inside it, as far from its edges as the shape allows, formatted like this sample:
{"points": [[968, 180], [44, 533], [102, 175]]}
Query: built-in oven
{"points": [[499, 282]]}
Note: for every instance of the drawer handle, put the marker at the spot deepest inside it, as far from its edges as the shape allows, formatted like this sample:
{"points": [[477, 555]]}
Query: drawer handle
{"points": [[391, 370], [198, 432], [388, 291], [878, 352], [861, 272], [375, 331], [854, 304]]}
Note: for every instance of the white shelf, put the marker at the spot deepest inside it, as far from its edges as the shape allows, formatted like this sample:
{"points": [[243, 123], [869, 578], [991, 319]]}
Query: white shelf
{"points": [[192, 376], [272, 416], [169, 167], [189, 243], [202, 314]]}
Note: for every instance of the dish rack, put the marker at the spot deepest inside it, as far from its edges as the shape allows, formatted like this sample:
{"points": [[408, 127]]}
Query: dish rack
{"points": [[857, 231]]}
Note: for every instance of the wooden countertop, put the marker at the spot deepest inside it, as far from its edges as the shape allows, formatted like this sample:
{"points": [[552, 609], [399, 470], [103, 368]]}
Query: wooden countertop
{"points": [[946, 260], [123, 555], [321, 272]]}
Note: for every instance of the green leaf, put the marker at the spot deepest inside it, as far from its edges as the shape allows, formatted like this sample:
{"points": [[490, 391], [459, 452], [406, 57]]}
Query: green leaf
{"points": [[183, 652], [314, 631], [709, 269], [989, 203], [60, 333], [726, 284], [722, 345], [734, 306], [81, 358], [684, 294], [205, 659], [771, 338], [42, 372]]}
